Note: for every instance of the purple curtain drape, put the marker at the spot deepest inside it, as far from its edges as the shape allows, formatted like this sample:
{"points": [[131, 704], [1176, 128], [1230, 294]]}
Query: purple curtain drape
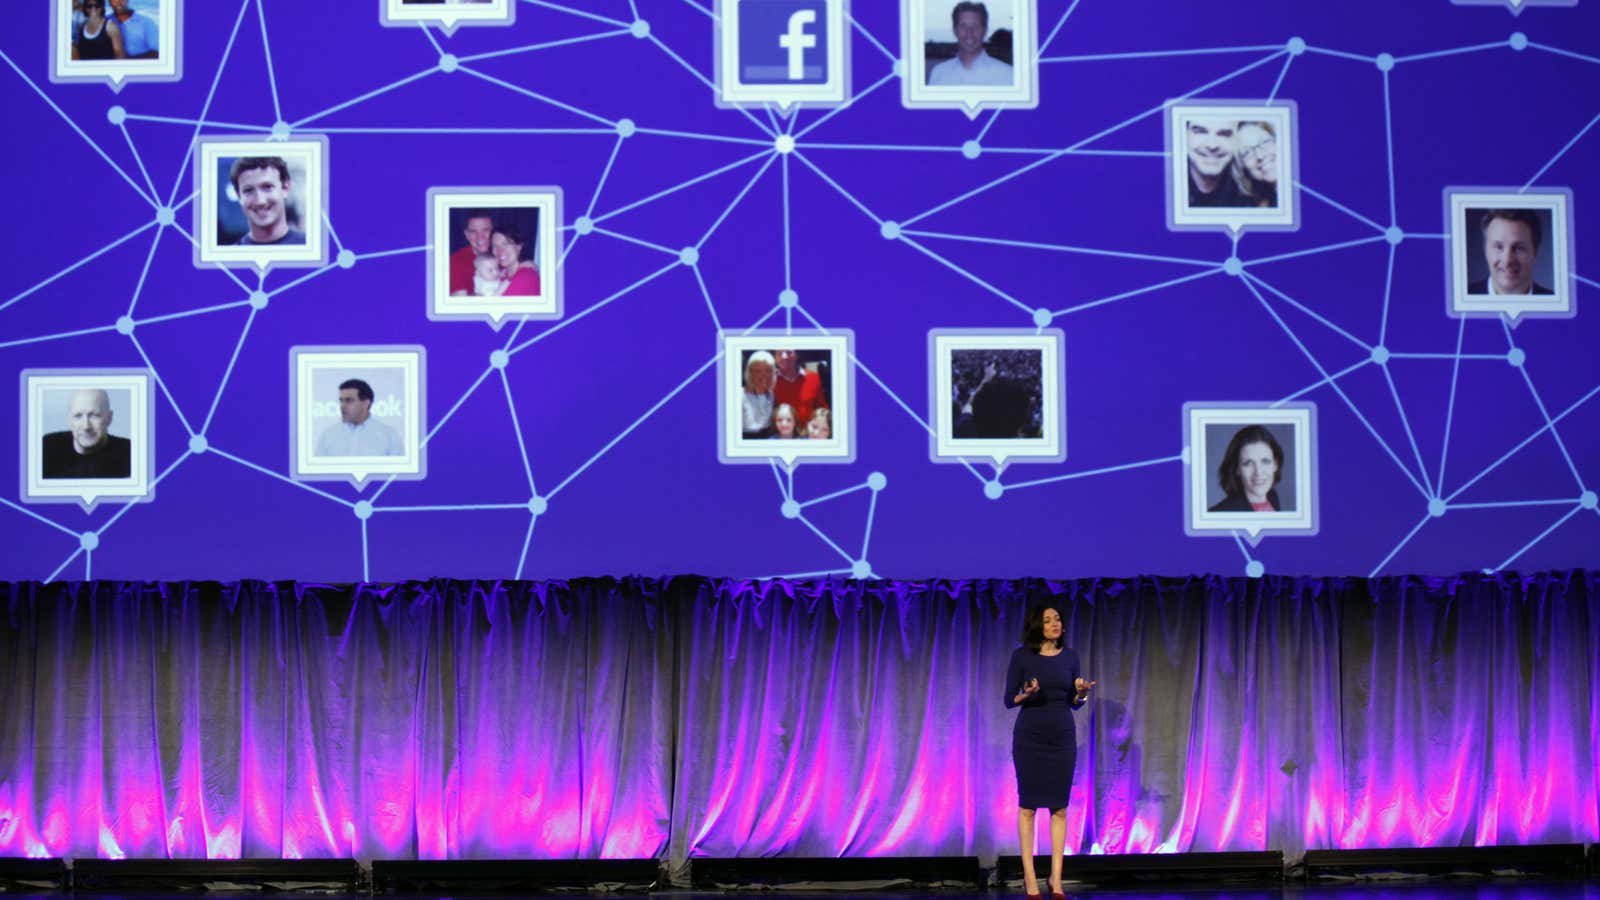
{"points": [[693, 717]]}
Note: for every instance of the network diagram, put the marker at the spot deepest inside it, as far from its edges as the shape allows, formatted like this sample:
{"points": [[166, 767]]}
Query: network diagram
{"points": [[781, 126]]}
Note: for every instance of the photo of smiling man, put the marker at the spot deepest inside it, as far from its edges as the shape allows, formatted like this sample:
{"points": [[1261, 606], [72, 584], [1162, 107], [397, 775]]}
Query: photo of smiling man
{"points": [[87, 449], [261, 204], [263, 186], [1512, 239]]}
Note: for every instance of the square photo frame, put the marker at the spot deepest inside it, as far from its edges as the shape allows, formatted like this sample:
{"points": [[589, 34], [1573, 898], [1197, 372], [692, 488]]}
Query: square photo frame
{"points": [[523, 220], [1232, 164], [809, 373], [149, 41], [787, 53], [997, 394], [88, 435], [1270, 484], [946, 65], [1510, 253], [357, 413], [261, 203], [448, 15]]}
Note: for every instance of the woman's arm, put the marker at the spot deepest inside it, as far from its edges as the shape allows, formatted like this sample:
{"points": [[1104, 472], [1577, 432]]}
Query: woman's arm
{"points": [[115, 31]]}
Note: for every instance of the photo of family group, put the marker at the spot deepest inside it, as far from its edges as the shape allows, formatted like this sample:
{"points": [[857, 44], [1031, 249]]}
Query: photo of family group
{"points": [[447, 14], [786, 396], [997, 395], [358, 413], [115, 40], [261, 203], [1231, 165], [493, 253], [88, 435], [1251, 468], [968, 54], [1509, 252]]}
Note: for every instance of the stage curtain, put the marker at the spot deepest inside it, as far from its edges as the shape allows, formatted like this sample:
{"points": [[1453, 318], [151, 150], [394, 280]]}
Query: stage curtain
{"points": [[686, 717]]}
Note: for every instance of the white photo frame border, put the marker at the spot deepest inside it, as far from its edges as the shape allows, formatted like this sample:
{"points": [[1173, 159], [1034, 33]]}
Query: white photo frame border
{"points": [[305, 465], [166, 67], [1285, 117], [1023, 94], [731, 93], [208, 196], [1199, 521], [840, 447], [496, 311], [1560, 304], [138, 487], [448, 17], [1050, 446]]}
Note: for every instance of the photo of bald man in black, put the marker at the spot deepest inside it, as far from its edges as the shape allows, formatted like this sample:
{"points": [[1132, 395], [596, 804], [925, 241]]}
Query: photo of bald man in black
{"points": [[87, 449]]}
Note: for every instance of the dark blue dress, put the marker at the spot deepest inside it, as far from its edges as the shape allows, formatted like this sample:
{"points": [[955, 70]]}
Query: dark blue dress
{"points": [[1044, 741]]}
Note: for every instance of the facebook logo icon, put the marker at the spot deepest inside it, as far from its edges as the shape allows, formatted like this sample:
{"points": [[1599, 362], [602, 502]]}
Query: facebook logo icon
{"points": [[783, 42]]}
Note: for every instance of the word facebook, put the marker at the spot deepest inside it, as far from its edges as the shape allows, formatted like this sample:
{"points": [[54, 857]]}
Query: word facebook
{"points": [[783, 42], [383, 407]]}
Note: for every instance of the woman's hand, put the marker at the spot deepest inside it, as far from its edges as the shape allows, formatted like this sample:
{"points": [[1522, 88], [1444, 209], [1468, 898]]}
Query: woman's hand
{"points": [[1029, 688], [1083, 686]]}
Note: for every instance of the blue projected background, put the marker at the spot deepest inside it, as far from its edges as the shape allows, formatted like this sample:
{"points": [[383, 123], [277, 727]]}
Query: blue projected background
{"points": [[1445, 444]]}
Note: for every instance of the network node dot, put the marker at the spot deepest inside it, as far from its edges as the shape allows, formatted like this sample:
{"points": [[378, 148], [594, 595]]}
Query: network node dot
{"points": [[971, 149], [1437, 507], [537, 505], [860, 569], [639, 29], [788, 298], [890, 230], [1588, 500], [899, 68], [1043, 317], [790, 509], [1184, 456], [165, 216], [877, 481], [125, 324], [583, 225], [448, 62], [346, 259], [198, 443], [1394, 235], [1385, 62], [258, 300], [626, 128], [1519, 41], [1516, 357], [499, 358], [363, 509], [1380, 355], [689, 256], [1254, 569], [1233, 265], [89, 540], [1296, 46], [116, 115], [784, 143], [280, 130], [993, 489]]}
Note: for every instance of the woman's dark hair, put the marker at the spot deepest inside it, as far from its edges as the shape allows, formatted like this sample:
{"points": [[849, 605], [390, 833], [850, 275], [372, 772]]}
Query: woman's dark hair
{"points": [[1228, 469], [514, 235], [1033, 628]]}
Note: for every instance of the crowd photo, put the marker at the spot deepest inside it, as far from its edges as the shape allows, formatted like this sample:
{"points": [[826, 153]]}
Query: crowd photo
{"points": [[786, 394], [996, 394]]}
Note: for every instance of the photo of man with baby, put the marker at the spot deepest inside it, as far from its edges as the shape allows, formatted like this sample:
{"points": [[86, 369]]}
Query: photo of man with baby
{"points": [[493, 253]]}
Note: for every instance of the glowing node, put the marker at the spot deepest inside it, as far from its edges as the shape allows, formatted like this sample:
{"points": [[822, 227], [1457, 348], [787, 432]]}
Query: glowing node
{"points": [[1380, 355], [1516, 357], [1518, 41], [116, 115], [125, 325], [583, 225], [88, 540], [860, 569], [790, 509], [448, 63], [1184, 456], [1043, 317], [499, 358], [1394, 235], [1296, 46], [788, 298], [198, 443], [899, 69], [363, 509], [258, 300], [1588, 500], [877, 481], [971, 149], [639, 29], [537, 505], [784, 143], [1254, 569], [689, 256], [1385, 62], [1233, 265], [346, 259], [165, 216], [890, 230], [993, 489], [626, 128], [280, 130], [1437, 507]]}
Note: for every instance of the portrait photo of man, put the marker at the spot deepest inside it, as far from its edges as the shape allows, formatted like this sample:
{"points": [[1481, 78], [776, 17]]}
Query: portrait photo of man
{"points": [[1512, 239], [88, 436], [357, 433], [1510, 252], [86, 448], [262, 186], [359, 412], [261, 203], [972, 64], [969, 55]]}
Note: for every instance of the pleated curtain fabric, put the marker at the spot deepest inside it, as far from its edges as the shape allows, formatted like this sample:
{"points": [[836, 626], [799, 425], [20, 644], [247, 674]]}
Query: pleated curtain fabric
{"points": [[696, 717]]}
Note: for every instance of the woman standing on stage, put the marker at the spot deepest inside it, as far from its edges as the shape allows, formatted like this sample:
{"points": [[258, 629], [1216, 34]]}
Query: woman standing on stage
{"points": [[1043, 678]]}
